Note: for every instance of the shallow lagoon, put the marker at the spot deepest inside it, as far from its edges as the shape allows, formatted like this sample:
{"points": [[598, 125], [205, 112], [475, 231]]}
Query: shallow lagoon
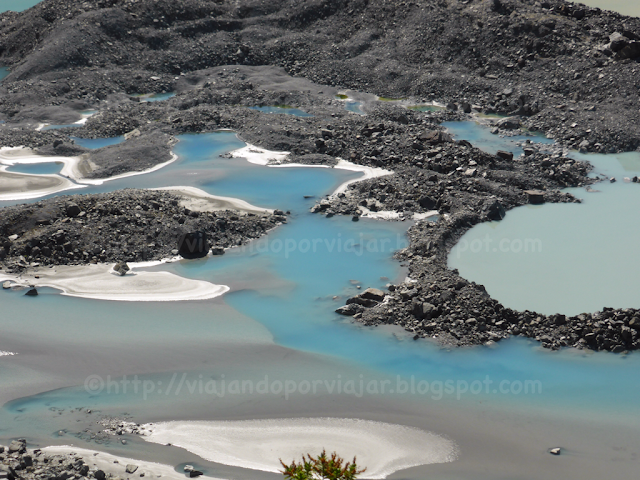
{"points": [[481, 138], [563, 258], [278, 321]]}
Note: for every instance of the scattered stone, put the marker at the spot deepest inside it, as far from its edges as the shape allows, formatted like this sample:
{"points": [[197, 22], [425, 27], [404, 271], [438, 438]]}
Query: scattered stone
{"points": [[555, 451], [536, 197], [130, 468], [505, 155], [193, 245], [73, 210], [121, 268], [32, 292]]}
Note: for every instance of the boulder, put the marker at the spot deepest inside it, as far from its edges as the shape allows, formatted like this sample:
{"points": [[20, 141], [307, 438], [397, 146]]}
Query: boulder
{"points": [[193, 245], [505, 155], [18, 446], [121, 268], [6, 285], [99, 475], [618, 42], [350, 310], [131, 468], [495, 211], [424, 310], [373, 294], [365, 302], [73, 210], [555, 451], [536, 197], [132, 134], [584, 145], [32, 292], [508, 123], [427, 203], [631, 50], [215, 250], [195, 473]]}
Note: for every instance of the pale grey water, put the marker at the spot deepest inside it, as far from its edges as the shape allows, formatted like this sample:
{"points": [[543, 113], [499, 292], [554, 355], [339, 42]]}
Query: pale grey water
{"points": [[561, 258]]}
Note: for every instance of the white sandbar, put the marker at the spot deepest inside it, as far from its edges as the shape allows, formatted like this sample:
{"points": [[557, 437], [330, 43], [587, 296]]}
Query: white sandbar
{"points": [[24, 186], [117, 465], [75, 168], [261, 156], [201, 201], [98, 282], [257, 155], [383, 448]]}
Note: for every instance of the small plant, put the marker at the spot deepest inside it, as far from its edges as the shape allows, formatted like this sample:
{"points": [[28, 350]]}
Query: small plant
{"points": [[322, 467]]}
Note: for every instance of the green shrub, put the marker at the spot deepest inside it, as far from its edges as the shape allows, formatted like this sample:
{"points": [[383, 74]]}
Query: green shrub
{"points": [[322, 467]]}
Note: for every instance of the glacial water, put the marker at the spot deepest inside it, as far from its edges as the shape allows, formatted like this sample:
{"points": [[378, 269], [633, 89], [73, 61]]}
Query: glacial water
{"points": [[625, 7], [355, 107], [17, 5], [48, 168], [278, 321], [481, 138], [4, 71], [155, 97], [282, 110], [563, 258]]}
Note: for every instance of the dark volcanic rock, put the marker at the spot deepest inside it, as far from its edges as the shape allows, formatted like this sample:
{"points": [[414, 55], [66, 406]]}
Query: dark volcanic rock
{"points": [[193, 245], [123, 226]]}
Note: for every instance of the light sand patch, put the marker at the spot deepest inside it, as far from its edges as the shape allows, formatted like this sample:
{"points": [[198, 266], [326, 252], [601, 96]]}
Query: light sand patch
{"points": [[100, 181], [107, 463], [99, 283], [201, 201], [261, 156], [24, 186], [383, 448], [75, 168], [258, 156], [369, 172]]}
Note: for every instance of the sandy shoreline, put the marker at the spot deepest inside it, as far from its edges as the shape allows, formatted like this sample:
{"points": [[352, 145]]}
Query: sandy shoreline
{"points": [[116, 465], [258, 444], [24, 186], [98, 282], [201, 201], [74, 170], [261, 156]]}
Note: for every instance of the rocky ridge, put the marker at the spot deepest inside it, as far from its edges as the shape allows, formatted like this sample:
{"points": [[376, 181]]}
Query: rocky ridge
{"points": [[127, 225]]}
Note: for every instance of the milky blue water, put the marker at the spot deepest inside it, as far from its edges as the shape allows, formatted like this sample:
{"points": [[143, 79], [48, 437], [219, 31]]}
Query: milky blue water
{"points": [[355, 107], [95, 143], [283, 110], [283, 289], [566, 258], [4, 71], [49, 168], [156, 97], [17, 5], [481, 138]]}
